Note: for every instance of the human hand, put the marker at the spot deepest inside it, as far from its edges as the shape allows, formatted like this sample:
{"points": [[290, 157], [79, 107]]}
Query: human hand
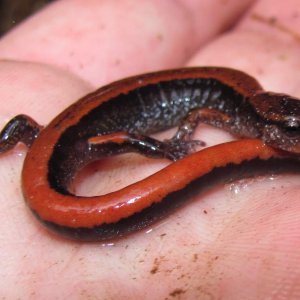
{"points": [[235, 241]]}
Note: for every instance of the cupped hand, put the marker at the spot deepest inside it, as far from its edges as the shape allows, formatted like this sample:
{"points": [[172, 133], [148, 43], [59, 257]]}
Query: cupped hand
{"points": [[237, 240]]}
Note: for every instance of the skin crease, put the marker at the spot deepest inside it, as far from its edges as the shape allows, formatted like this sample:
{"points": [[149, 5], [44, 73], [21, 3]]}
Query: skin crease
{"points": [[234, 241]]}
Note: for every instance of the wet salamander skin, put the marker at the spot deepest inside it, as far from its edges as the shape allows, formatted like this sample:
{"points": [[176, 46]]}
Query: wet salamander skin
{"points": [[119, 117]]}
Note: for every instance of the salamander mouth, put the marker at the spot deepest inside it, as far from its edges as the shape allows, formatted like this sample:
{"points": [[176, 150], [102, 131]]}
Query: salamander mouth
{"points": [[294, 148], [290, 141], [287, 140]]}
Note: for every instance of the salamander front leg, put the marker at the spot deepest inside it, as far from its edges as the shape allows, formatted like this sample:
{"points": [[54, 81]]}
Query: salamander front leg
{"points": [[22, 129], [196, 116]]}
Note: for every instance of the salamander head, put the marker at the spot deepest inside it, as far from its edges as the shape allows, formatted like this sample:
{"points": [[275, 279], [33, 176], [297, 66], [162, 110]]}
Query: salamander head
{"points": [[281, 114]]}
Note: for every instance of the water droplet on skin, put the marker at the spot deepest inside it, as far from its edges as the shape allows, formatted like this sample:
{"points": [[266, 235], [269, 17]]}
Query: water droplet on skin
{"points": [[273, 177], [20, 150], [236, 187], [19, 153], [108, 244]]}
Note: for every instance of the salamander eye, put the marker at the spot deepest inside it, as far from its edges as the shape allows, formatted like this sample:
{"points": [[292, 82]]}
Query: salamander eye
{"points": [[292, 124]]}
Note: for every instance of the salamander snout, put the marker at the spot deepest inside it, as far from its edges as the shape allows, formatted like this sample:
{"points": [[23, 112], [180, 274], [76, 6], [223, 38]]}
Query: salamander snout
{"points": [[287, 139]]}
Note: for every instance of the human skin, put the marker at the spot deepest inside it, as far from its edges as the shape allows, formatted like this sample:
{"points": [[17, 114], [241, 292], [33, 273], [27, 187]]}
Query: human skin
{"points": [[236, 240]]}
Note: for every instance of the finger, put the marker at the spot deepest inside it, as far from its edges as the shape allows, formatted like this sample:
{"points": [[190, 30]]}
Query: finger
{"points": [[37, 89], [104, 40], [265, 44]]}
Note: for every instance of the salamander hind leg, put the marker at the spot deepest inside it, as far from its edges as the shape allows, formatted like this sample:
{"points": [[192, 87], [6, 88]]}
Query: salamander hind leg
{"points": [[123, 142], [22, 129]]}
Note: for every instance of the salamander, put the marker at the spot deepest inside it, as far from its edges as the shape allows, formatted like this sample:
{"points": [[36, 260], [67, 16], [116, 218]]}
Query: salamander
{"points": [[120, 117]]}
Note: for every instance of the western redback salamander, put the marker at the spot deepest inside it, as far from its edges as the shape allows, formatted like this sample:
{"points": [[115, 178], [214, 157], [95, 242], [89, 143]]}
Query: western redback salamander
{"points": [[119, 118]]}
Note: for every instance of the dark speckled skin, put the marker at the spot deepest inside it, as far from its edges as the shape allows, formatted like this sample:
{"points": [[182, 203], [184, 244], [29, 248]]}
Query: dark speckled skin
{"points": [[146, 109], [121, 116]]}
